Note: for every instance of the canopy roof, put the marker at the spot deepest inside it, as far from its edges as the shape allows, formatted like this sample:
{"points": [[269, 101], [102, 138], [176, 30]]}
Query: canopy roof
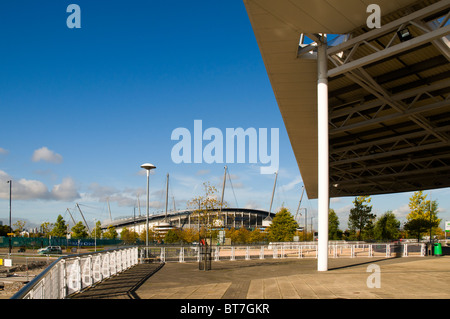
{"points": [[389, 98]]}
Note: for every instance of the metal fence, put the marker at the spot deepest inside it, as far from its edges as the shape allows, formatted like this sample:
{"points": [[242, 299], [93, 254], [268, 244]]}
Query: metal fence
{"points": [[285, 250], [38, 242], [71, 274]]}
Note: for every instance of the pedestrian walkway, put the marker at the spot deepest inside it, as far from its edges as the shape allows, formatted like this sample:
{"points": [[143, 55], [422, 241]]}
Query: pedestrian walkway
{"points": [[347, 278], [122, 286]]}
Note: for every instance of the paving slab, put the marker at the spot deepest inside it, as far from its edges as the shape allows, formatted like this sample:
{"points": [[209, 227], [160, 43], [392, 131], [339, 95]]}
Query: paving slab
{"points": [[291, 278], [400, 278]]}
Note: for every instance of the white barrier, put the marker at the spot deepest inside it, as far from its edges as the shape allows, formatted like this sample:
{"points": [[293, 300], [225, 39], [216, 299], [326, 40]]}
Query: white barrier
{"points": [[71, 274], [289, 250]]}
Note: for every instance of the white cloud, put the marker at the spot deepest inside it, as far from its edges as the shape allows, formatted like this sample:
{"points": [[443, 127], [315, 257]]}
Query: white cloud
{"points": [[102, 192], [66, 191], [44, 154], [125, 198], [3, 151], [251, 204], [22, 189], [143, 172], [335, 200], [402, 211], [291, 184], [28, 189], [203, 172]]}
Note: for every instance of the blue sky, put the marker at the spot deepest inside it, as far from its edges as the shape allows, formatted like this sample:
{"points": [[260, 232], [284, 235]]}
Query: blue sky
{"points": [[82, 109]]}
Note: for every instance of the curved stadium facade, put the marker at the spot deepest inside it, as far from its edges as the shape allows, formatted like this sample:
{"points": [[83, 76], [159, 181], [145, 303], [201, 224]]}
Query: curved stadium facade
{"points": [[230, 217]]}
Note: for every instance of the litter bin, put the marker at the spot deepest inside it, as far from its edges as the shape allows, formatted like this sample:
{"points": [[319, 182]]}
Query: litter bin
{"points": [[437, 249]]}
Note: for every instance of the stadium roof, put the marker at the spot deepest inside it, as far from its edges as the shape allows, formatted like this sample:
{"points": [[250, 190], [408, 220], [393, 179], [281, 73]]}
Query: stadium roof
{"points": [[389, 97], [131, 220]]}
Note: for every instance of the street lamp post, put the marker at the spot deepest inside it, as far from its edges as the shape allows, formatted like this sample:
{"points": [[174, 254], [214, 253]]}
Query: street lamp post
{"points": [[95, 235], [10, 228], [148, 167]]}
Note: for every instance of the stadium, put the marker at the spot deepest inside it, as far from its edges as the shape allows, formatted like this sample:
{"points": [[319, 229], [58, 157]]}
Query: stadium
{"points": [[182, 219]]}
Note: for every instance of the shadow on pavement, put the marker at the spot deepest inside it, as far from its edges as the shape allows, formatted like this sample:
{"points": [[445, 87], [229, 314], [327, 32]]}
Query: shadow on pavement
{"points": [[121, 286]]}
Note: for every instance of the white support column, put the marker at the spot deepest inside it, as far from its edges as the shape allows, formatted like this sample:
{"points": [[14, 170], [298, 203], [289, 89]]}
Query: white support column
{"points": [[323, 162]]}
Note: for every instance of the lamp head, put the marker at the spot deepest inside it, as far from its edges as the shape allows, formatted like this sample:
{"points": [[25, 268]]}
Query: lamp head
{"points": [[148, 166]]}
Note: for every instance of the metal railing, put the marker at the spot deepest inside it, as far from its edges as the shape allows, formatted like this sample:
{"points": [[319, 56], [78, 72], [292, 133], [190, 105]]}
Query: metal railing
{"points": [[71, 274], [284, 250]]}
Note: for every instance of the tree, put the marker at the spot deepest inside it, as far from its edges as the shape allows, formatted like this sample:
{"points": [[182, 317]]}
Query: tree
{"points": [[360, 215], [4, 230], [97, 231], [19, 226], [257, 236], [60, 228], [387, 227], [283, 226], [369, 230], [239, 236], [205, 207], [79, 231], [189, 235], [152, 235], [128, 236], [173, 236], [416, 227], [334, 233], [46, 228], [110, 233], [422, 218]]}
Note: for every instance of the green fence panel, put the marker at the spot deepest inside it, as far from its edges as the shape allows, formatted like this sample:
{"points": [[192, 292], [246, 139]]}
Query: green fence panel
{"points": [[56, 241]]}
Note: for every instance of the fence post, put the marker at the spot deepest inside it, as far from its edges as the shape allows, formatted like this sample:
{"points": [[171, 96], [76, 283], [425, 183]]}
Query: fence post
{"points": [[79, 273], [232, 253], [261, 252], [64, 287], [217, 254], [181, 257], [91, 270], [116, 262], [247, 253]]}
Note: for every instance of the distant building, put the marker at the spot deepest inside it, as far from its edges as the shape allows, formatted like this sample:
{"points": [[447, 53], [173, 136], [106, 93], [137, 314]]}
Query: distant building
{"points": [[229, 218]]}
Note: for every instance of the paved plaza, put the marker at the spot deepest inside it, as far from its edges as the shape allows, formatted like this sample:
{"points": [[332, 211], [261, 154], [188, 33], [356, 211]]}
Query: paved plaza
{"points": [[291, 278]]}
